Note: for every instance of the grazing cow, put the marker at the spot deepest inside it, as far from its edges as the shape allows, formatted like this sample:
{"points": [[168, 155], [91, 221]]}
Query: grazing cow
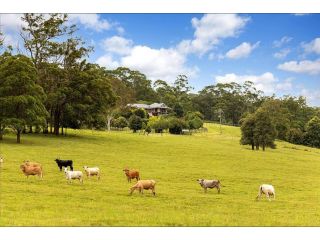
{"points": [[1, 161], [144, 184], [131, 174], [92, 171], [204, 183], [267, 190], [33, 164], [31, 170], [64, 163], [73, 175]]}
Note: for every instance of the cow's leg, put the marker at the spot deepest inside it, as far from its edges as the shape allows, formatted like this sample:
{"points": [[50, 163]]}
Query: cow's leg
{"points": [[267, 196], [205, 189], [71, 167], [218, 188], [153, 191], [131, 190], [60, 168]]}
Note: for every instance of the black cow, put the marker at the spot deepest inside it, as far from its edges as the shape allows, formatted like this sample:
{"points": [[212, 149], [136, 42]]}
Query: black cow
{"points": [[64, 163]]}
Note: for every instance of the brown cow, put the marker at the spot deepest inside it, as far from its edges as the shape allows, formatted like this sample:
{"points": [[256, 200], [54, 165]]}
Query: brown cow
{"points": [[144, 184], [131, 174], [31, 170]]}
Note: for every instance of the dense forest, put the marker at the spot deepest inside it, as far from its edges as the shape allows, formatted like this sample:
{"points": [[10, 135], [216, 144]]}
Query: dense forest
{"points": [[53, 87]]}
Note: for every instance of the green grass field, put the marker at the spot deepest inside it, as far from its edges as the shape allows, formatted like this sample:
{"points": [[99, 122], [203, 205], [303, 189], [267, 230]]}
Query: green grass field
{"points": [[175, 162]]}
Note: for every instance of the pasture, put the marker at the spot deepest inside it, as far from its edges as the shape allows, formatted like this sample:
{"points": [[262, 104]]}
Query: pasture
{"points": [[175, 162]]}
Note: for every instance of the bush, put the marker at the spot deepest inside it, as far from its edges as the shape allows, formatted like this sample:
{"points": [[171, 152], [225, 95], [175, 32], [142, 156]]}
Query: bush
{"points": [[176, 125], [195, 123], [135, 123], [120, 122], [295, 135], [141, 113]]}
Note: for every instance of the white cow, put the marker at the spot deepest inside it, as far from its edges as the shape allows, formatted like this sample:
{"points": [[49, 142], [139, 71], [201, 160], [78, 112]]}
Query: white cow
{"points": [[73, 175], [92, 171], [267, 190]]}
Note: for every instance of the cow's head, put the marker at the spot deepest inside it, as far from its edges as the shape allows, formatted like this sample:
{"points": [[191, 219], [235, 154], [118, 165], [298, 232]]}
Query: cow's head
{"points": [[200, 181], [126, 170]]}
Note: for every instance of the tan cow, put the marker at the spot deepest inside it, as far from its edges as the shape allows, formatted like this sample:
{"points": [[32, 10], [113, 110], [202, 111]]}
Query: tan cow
{"points": [[31, 170], [144, 184]]}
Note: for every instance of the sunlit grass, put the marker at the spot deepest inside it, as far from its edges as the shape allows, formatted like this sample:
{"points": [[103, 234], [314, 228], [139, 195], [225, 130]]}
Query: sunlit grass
{"points": [[175, 162]]}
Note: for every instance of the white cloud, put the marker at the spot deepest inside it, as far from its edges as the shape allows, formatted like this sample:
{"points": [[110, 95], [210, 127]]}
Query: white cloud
{"points": [[108, 62], [118, 45], [165, 64], [11, 22], [284, 40], [282, 53], [312, 96], [210, 29], [313, 46], [286, 85], [241, 51], [91, 21], [265, 82], [308, 67]]}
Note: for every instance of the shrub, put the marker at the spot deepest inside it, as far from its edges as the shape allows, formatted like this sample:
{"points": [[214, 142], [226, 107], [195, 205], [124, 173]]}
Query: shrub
{"points": [[176, 125], [295, 135], [140, 112], [135, 123], [195, 123], [120, 122]]}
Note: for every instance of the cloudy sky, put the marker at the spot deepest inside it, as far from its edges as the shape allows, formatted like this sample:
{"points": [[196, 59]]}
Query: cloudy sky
{"points": [[280, 53]]}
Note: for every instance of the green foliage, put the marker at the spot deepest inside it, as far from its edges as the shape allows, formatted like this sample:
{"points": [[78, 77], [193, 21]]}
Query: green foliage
{"points": [[295, 135], [20, 97], [159, 124], [264, 130], [178, 110], [135, 123], [120, 122], [312, 135], [247, 130], [176, 125], [140, 112]]}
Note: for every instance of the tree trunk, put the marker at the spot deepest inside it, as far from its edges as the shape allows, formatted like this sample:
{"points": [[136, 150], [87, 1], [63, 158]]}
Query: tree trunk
{"points": [[18, 136], [109, 118], [56, 121], [263, 147], [1, 136], [252, 146], [62, 130], [257, 147], [30, 129]]}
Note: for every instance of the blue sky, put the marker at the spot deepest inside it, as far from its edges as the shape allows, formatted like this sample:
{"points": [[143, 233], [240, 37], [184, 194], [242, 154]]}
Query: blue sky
{"points": [[280, 53]]}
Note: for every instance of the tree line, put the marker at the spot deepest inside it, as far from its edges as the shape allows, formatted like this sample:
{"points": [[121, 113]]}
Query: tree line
{"points": [[52, 86]]}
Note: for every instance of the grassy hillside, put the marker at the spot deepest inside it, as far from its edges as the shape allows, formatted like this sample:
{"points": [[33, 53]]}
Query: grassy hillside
{"points": [[175, 162]]}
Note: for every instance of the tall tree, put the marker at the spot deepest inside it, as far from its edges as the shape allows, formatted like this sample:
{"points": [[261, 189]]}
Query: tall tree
{"points": [[247, 130], [312, 135], [20, 97], [264, 130]]}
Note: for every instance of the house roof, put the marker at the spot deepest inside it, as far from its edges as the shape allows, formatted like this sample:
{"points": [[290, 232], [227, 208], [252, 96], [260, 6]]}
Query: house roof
{"points": [[146, 106]]}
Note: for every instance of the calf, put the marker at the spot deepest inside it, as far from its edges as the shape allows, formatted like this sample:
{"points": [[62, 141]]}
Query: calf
{"points": [[64, 163], [31, 170], [92, 171], [73, 175], [144, 184], [131, 174], [267, 190], [204, 183]]}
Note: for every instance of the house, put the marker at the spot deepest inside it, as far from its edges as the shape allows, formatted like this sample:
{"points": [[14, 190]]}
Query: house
{"points": [[154, 109]]}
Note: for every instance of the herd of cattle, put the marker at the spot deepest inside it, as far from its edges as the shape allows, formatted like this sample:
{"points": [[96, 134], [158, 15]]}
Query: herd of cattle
{"points": [[32, 168]]}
